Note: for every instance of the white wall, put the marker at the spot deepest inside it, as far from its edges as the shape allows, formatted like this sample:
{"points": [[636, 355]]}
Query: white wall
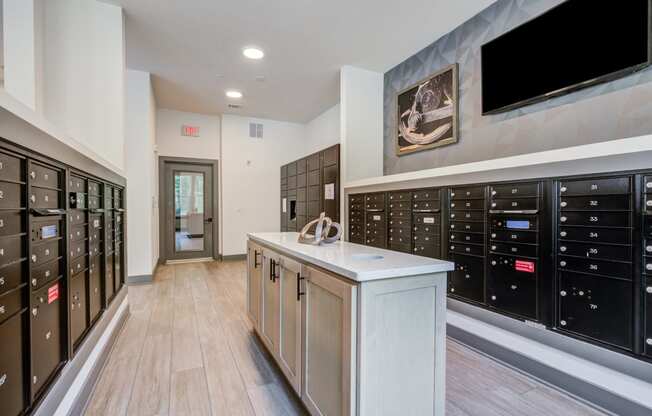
{"points": [[19, 53], [140, 167], [170, 142], [361, 112], [84, 70], [251, 177], [323, 131], [154, 179]]}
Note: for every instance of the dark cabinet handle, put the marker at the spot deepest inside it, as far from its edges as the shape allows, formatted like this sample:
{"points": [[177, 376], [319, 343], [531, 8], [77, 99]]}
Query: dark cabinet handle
{"points": [[299, 292], [208, 220], [256, 264], [271, 269]]}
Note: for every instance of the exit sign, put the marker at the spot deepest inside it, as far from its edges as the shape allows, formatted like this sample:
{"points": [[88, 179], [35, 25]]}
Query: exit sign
{"points": [[190, 131]]}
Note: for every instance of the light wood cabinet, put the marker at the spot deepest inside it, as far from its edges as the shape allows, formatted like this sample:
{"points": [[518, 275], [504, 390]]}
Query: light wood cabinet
{"points": [[269, 317], [254, 281], [329, 355], [289, 356]]}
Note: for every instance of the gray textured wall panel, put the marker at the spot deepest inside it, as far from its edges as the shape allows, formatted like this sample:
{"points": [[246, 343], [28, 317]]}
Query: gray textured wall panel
{"points": [[615, 110]]}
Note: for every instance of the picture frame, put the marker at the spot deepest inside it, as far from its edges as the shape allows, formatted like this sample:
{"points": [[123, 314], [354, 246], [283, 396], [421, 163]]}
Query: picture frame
{"points": [[427, 112]]}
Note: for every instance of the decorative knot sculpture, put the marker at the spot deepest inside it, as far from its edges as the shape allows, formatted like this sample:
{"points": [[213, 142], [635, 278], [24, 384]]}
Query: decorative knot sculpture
{"points": [[322, 229]]}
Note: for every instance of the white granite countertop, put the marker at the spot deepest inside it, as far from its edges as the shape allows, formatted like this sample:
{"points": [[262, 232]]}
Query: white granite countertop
{"points": [[353, 261]]}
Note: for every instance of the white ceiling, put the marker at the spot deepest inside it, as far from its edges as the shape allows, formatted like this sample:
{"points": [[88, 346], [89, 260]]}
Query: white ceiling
{"points": [[186, 44]]}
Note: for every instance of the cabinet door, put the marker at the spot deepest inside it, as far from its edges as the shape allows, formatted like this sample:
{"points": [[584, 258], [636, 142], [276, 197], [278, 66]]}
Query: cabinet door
{"points": [[254, 281], [269, 325], [290, 322], [329, 365]]}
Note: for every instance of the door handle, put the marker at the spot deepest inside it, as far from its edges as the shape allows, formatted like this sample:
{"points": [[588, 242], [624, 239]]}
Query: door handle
{"points": [[299, 292], [208, 220]]}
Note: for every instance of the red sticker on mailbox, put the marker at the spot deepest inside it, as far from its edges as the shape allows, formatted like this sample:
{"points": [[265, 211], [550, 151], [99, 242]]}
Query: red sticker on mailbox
{"points": [[53, 293], [524, 266]]}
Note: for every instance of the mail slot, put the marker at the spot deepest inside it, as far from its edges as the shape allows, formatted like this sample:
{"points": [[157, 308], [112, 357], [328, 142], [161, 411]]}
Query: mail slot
{"points": [[606, 186], [512, 285], [399, 205], [78, 232], [78, 200], [77, 248], [12, 388], [467, 280], [400, 196], [467, 215], [468, 204], [425, 206], [11, 250], [77, 217], [44, 252], [10, 303], [11, 276], [400, 214], [427, 250], [427, 229], [467, 249], [40, 175], [467, 193], [598, 308], [522, 204], [470, 227], [598, 235], [461, 237], [44, 198], [11, 195], [426, 219], [600, 251], [95, 289], [525, 250], [47, 351], [11, 168], [517, 190], [426, 195], [621, 270], [596, 203], [45, 273], [77, 306], [77, 184], [596, 219], [525, 237], [11, 223], [400, 222]]}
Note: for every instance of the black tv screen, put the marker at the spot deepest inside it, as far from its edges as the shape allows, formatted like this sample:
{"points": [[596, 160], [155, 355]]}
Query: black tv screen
{"points": [[576, 44]]}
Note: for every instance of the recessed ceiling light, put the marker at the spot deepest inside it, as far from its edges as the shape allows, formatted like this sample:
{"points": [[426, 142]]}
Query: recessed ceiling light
{"points": [[253, 53], [234, 94]]}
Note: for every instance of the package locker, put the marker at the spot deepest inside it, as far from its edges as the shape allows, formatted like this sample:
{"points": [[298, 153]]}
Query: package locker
{"points": [[426, 220], [356, 219], [400, 221]]}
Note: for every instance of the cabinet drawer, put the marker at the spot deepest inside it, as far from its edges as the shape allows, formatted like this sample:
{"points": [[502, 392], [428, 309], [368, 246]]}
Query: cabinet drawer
{"points": [[515, 190], [403, 248], [46, 317], [45, 273], [11, 195], [596, 203], [427, 229], [521, 204], [400, 214], [11, 223], [399, 239], [426, 239], [11, 249], [477, 204], [400, 196], [78, 232], [426, 195], [399, 205], [427, 250], [467, 280], [40, 175], [599, 251], [77, 248], [526, 250], [597, 235], [427, 219], [467, 215], [11, 276], [526, 237], [78, 265], [471, 238], [77, 217], [476, 192], [10, 168], [605, 186], [425, 206], [77, 307], [400, 222], [596, 267], [597, 308], [596, 219], [76, 184], [471, 227], [467, 249], [10, 303], [12, 388]]}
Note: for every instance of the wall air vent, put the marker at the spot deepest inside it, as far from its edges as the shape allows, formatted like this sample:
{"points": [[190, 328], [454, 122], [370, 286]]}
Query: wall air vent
{"points": [[235, 106], [256, 130]]}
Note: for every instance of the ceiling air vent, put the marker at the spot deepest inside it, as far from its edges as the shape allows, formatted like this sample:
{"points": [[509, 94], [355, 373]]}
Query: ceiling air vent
{"points": [[256, 130]]}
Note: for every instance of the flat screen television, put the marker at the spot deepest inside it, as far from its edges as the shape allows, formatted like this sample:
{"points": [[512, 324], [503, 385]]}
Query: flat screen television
{"points": [[574, 45]]}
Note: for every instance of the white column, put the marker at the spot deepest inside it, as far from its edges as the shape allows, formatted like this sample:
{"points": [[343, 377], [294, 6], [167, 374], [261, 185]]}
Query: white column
{"points": [[20, 33]]}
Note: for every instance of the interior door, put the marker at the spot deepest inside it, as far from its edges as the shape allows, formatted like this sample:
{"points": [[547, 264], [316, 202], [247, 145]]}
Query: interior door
{"points": [[188, 211]]}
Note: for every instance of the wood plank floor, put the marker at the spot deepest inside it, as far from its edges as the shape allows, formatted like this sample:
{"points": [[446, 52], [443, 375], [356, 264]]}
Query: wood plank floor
{"points": [[188, 349]]}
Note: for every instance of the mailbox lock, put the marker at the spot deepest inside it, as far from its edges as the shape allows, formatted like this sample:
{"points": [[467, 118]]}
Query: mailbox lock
{"points": [[514, 287], [34, 311], [648, 266], [562, 263], [649, 290], [33, 258], [493, 247], [563, 323], [493, 204], [563, 189], [2, 310], [649, 341], [563, 219], [648, 185], [48, 335], [493, 235], [563, 293], [649, 203], [2, 281], [452, 289], [3, 379], [493, 193], [34, 282], [452, 247], [493, 297], [47, 251], [493, 262], [648, 249], [32, 198], [562, 248], [563, 233], [563, 204], [34, 380]]}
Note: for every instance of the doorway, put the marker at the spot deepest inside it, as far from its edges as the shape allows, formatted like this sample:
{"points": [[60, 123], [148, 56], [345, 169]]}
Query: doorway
{"points": [[188, 209]]}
